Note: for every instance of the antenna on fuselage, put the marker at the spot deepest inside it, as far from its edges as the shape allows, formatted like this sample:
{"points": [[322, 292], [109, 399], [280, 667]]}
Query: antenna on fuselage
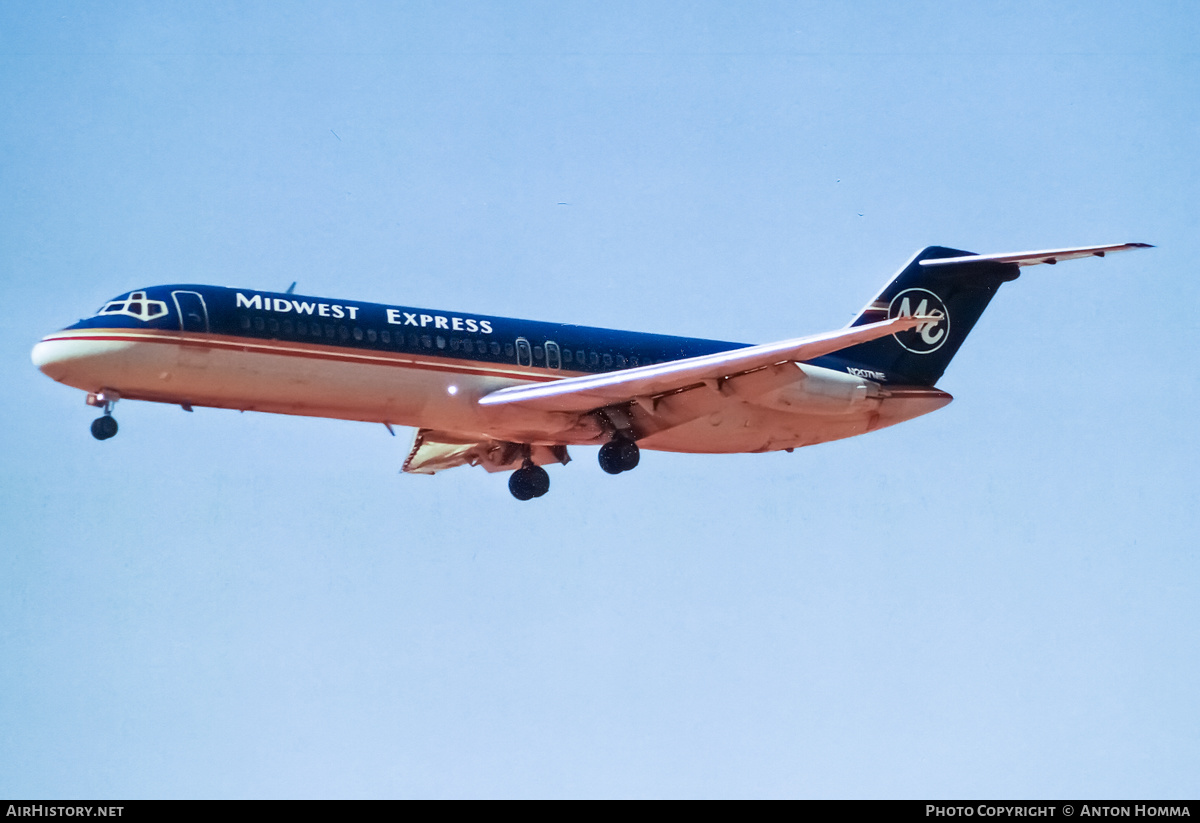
{"points": [[291, 288]]}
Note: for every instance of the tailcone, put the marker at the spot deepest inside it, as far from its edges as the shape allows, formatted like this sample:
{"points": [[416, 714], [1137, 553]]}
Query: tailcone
{"points": [[905, 403]]}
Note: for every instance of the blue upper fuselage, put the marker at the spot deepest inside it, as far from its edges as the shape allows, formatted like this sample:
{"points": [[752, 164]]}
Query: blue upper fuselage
{"points": [[371, 326]]}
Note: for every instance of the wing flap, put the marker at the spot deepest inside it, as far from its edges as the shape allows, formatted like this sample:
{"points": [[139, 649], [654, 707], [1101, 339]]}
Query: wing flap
{"points": [[434, 451], [1033, 258], [580, 394]]}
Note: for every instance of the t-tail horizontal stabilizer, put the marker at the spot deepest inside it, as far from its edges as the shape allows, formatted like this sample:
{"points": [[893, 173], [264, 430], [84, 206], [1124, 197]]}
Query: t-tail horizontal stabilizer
{"points": [[1033, 258], [953, 284]]}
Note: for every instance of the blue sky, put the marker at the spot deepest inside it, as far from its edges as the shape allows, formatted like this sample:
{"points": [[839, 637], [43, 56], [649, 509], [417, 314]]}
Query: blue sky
{"points": [[995, 600]]}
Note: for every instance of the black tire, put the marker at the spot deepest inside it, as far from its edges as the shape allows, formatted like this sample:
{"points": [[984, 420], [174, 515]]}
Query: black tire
{"points": [[539, 480], [610, 458], [630, 455], [520, 485], [104, 427]]}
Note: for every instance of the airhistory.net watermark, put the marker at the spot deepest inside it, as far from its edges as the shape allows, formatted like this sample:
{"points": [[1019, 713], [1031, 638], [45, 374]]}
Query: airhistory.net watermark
{"points": [[44, 810]]}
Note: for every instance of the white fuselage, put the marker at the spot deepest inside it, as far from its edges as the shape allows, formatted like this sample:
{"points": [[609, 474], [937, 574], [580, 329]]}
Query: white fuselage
{"points": [[412, 389]]}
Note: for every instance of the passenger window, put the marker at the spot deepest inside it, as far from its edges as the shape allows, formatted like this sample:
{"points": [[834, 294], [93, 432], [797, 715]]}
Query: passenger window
{"points": [[537, 353], [258, 324], [608, 361], [566, 355], [330, 331], [412, 341], [633, 361], [273, 325], [385, 336], [245, 321], [370, 335], [579, 358], [287, 326], [358, 335], [508, 349], [441, 342], [595, 359], [620, 361], [495, 347], [454, 343], [427, 341], [343, 332]]}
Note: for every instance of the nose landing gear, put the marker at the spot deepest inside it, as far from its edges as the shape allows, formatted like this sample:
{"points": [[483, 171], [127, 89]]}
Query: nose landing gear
{"points": [[104, 427], [529, 481], [619, 455]]}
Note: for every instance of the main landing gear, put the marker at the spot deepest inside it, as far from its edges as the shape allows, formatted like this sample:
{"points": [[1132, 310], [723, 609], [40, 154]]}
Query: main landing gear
{"points": [[529, 481], [619, 455], [104, 427]]}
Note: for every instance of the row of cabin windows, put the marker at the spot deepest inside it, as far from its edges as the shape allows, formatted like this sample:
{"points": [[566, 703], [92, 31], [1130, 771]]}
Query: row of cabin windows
{"points": [[552, 355], [330, 331], [556, 357]]}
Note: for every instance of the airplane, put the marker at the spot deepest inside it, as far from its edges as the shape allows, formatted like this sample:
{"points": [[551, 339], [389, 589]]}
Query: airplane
{"points": [[512, 395]]}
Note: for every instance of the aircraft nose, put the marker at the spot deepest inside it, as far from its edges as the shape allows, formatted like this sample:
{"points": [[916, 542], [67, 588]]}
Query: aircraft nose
{"points": [[50, 356]]}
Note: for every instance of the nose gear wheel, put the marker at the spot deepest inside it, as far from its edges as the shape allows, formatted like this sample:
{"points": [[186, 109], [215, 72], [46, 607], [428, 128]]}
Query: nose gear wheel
{"points": [[104, 427]]}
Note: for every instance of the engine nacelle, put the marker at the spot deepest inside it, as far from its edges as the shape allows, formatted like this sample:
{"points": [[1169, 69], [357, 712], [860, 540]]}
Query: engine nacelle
{"points": [[823, 391]]}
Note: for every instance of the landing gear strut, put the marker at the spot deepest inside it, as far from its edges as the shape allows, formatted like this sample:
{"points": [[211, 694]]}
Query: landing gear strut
{"points": [[529, 481], [619, 455], [106, 426]]}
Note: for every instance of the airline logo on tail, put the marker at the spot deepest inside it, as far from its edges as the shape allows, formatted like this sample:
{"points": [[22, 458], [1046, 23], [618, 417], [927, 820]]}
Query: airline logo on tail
{"points": [[928, 337]]}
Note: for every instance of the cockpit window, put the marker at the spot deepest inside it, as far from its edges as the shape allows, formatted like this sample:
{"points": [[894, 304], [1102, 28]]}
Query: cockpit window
{"points": [[135, 305]]}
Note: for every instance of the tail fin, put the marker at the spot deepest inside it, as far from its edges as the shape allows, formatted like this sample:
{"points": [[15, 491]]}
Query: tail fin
{"points": [[953, 285]]}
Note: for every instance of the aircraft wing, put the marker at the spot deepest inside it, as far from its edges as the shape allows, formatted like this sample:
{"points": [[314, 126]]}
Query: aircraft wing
{"points": [[593, 391], [1032, 258]]}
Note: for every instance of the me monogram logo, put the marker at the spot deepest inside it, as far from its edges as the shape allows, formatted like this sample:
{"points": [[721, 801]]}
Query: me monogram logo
{"points": [[928, 337]]}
